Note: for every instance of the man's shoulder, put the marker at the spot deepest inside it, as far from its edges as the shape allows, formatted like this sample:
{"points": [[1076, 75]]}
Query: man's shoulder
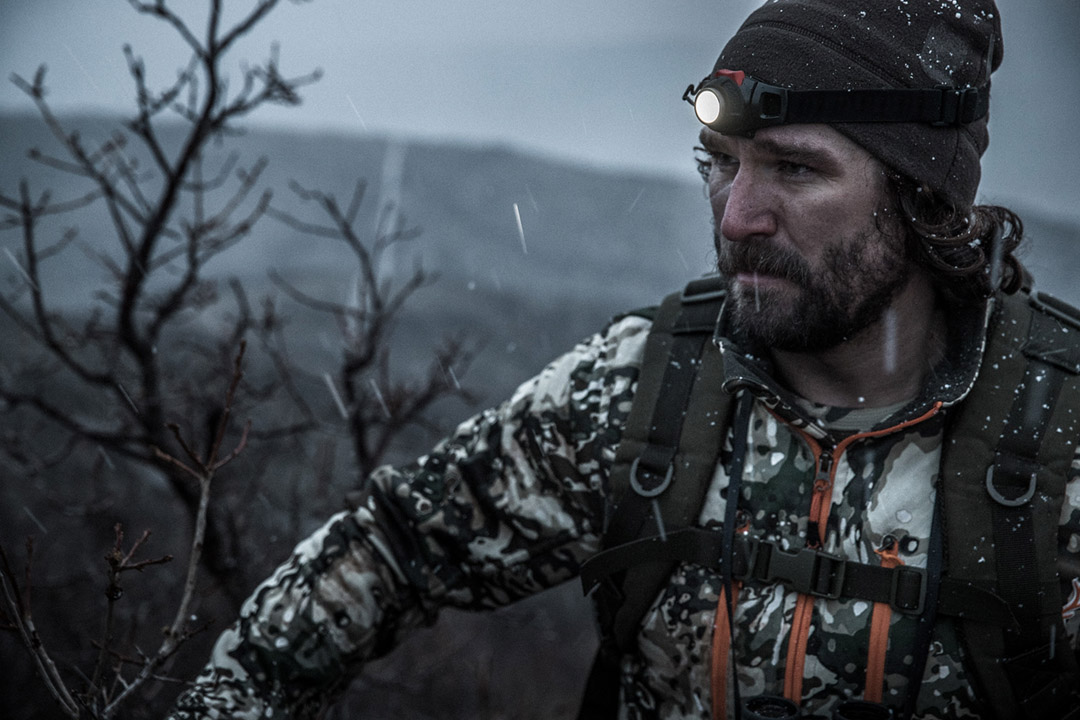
{"points": [[1052, 335]]}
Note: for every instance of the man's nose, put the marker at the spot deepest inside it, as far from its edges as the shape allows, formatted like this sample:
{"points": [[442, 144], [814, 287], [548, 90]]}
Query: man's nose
{"points": [[746, 211]]}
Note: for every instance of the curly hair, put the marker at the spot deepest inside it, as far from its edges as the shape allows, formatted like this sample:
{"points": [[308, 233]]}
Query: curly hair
{"points": [[971, 253]]}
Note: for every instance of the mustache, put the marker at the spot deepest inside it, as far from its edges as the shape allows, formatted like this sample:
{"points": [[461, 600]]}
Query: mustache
{"points": [[763, 258]]}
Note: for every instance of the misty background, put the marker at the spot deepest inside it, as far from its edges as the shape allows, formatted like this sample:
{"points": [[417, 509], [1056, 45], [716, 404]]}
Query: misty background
{"points": [[545, 152], [595, 84]]}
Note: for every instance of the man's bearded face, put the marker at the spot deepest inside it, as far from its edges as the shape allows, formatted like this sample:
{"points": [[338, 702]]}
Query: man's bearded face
{"points": [[792, 304], [809, 256]]}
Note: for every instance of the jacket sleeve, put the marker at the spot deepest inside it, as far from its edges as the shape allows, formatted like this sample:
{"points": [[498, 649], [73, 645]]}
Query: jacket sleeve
{"points": [[1069, 554], [510, 504]]}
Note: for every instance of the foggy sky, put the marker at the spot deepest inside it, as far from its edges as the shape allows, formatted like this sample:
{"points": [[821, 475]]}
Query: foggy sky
{"points": [[597, 82]]}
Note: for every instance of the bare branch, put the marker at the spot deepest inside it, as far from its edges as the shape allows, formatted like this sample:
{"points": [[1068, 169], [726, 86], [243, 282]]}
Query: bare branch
{"points": [[219, 180], [306, 228], [158, 9], [18, 610], [177, 633], [243, 26], [230, 398], [191, 454], [314, 303]]}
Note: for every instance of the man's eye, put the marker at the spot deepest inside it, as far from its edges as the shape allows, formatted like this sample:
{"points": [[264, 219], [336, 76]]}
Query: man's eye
{"points": [[794, 169], [707, 161], [703, 162]]}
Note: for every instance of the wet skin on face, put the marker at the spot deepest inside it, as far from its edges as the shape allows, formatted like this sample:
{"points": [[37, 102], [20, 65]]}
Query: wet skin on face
{"points": [[816, 262], [800, 233]]}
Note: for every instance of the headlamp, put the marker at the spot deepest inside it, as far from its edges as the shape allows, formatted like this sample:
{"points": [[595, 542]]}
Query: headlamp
{"points": [[733, 103]]}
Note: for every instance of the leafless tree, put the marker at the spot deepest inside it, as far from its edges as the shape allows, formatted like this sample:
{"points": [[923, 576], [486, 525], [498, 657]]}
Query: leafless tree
{"points": [[374, 405], [139, 370], [169, 221], [109, 687]]}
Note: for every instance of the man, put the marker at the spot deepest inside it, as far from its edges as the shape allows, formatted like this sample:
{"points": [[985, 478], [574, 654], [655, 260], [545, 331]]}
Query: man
{"points": [[867, 303]]}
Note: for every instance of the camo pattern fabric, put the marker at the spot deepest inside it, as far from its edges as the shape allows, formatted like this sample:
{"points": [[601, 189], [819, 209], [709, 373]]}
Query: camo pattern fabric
{"points": [[882, 494], [513, 502]]}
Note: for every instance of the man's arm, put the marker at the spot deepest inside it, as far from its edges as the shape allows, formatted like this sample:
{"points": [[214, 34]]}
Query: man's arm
{"points": [[1069, 554], [508, 505]]}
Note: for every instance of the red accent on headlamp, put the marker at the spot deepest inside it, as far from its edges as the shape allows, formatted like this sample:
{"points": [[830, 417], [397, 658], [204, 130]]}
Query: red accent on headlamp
{"points": [[736, 76]]}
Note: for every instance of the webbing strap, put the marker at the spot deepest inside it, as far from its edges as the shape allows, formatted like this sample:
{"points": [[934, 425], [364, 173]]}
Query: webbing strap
{"points": [[681, 379], [1004, 470], [1034, 669], [940, 106], [1011, 481], [925, 629], [808, 571], [647, 453]]}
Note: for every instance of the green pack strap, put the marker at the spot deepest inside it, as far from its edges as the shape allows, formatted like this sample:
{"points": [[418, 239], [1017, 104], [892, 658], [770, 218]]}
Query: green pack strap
{"points": [[681, 379], [1003, 477]]}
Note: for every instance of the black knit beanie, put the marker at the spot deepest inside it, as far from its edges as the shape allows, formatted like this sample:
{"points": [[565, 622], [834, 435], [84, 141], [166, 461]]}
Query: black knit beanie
{"points": [[849, 44]]}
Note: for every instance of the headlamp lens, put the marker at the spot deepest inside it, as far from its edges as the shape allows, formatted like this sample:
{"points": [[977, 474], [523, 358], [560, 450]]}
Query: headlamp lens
{"points": [[707, 106]]}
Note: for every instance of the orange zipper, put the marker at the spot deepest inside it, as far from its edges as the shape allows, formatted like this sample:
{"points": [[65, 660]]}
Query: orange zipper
{"points": [[721, 650], [820, 505], [880, 622]]}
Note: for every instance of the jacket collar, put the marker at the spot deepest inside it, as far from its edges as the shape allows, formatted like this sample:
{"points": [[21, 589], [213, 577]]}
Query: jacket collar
{"points": [[749, 368]]}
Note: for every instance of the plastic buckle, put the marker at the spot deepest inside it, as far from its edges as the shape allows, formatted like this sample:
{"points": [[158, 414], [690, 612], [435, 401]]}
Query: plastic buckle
{"points": [[958, 106], [652, 491], [964, 106], [894, 600], [802, 570]]}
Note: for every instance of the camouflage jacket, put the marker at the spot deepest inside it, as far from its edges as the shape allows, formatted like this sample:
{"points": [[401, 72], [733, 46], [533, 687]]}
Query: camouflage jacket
{"points": [[513, 502]]}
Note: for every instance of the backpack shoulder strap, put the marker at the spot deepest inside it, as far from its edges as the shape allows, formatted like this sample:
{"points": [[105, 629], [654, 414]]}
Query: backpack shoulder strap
{"points": [[1004, 468], [673, 436]]}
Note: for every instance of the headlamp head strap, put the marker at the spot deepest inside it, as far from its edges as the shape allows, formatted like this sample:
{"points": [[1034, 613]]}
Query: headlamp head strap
{"points": [[734, 103]]}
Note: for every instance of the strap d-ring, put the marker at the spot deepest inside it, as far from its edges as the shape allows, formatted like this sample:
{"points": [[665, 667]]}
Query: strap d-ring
{"points": [[651, 492], [999, 498]]}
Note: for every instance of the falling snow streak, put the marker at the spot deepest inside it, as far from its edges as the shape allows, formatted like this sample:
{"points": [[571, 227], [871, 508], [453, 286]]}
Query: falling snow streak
{"points": [[379, 397], [532, 200], [337, 397], [391, 187], [15, 261], [36, 521], [521, 230], [353, 106], [105, 456], [635, 202], [128, 398], [682, 257], [449, 373], [82, 68], [393, 175], [265, 500], [659, 520]]}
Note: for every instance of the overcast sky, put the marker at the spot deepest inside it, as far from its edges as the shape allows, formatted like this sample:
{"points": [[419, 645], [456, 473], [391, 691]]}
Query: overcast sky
{"points": [[594, 81]]}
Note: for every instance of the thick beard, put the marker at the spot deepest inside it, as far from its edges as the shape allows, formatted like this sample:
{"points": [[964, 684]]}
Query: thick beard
{"points": [[850, 290]]}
